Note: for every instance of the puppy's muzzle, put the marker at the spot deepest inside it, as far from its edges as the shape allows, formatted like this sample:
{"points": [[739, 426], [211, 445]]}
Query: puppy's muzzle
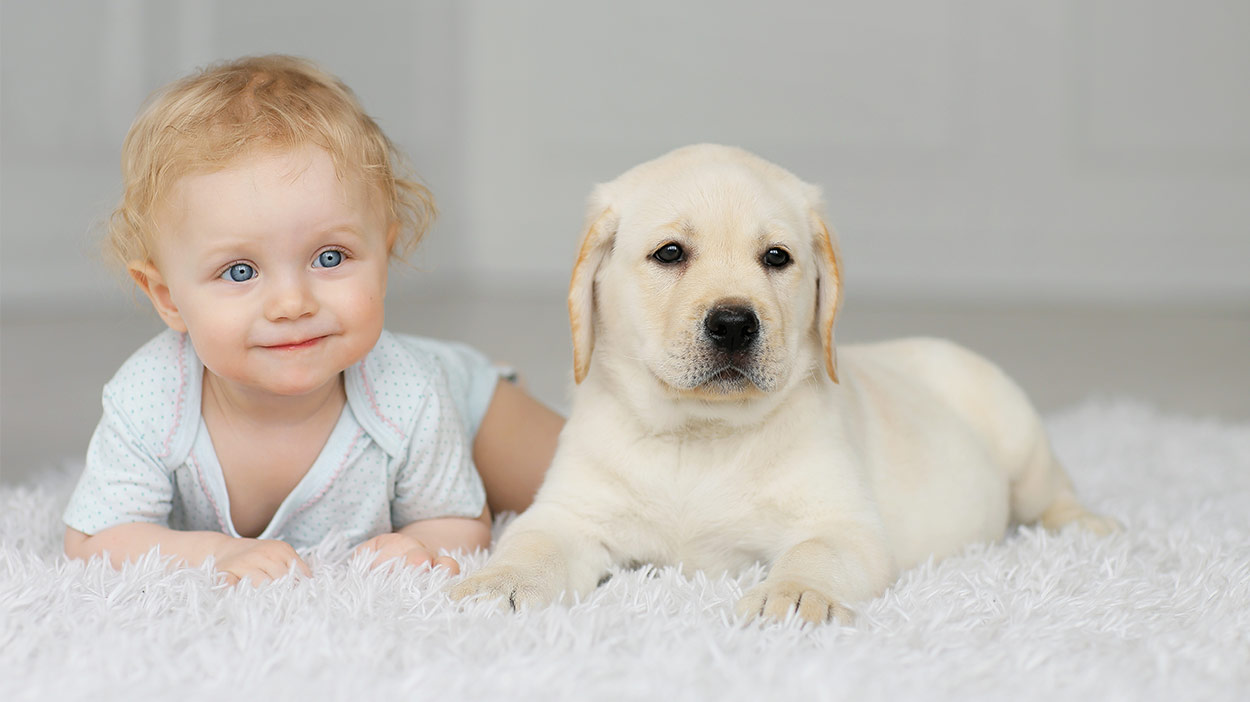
{"points": [[731, 328]]}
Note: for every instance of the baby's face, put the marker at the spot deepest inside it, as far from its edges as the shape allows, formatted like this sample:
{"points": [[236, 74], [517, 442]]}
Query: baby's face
{"points": [[276, 269]]}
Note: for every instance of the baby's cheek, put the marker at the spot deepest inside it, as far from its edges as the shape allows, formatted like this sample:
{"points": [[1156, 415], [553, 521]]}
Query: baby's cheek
{"points": [[369, 308], [373, 301]]}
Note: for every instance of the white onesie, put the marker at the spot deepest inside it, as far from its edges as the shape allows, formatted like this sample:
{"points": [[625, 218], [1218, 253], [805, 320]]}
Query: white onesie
{"points": [[400, 452]]}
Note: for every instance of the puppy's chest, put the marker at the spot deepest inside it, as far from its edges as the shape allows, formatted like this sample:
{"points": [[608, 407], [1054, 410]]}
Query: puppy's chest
{"points": [[708, 507]]}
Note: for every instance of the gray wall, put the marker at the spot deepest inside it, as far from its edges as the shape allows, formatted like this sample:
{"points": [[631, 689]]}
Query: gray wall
{"points": [[1087, 150]]}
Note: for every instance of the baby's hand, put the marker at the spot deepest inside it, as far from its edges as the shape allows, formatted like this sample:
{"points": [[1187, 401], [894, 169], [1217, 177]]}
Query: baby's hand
{"points": [[413, 552], [259, 560]]}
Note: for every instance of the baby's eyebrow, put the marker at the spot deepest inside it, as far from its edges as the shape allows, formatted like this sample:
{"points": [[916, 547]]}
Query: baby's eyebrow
{"points": [[229, 249], [340, 229]]}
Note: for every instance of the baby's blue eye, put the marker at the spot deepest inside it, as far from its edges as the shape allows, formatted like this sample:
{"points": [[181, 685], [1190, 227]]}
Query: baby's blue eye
{"points": [[329, 259], [239, 273]]}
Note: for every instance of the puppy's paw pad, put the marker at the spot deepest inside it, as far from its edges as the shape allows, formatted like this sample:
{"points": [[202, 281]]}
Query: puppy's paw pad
{"points": [[778, 600]]}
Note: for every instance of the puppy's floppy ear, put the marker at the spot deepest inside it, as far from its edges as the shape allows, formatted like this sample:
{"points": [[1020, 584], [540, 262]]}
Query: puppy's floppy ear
{"points": [[596, 243], [828, 284]]}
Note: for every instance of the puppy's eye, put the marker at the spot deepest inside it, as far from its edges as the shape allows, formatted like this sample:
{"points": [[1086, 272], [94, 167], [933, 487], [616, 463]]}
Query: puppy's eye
{"points": [[670, 253], [776, 257]]}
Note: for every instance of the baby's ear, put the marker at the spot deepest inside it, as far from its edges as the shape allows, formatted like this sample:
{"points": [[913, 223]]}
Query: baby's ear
{"points": [[392, 234], [149, 279]]}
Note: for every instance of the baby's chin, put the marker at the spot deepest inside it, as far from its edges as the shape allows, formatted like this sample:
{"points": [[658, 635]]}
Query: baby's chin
{"points": [[281, 385], [303, 389]]}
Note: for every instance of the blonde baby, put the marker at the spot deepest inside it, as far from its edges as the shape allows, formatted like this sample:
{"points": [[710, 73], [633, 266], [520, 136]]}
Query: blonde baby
{"points": [[261, 210]]}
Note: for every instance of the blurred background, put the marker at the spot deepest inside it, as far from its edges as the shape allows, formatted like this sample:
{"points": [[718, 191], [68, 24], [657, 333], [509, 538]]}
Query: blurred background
{"points": [[1063, 186]]}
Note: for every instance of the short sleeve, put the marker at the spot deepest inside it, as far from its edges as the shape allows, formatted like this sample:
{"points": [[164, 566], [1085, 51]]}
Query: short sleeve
{"points": [[122, 482], [471, 377], [438, 478]]}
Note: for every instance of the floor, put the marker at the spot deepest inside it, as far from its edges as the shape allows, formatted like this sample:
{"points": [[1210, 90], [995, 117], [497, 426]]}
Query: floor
{"points": [[1194, 361]]}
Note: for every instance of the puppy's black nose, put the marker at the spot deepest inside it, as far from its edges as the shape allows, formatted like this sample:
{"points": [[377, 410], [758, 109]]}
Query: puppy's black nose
{"points": [[731, 328]]}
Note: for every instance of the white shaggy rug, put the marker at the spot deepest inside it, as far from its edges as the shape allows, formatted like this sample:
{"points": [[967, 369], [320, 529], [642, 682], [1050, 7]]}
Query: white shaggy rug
{"points": [[1159, 612]]}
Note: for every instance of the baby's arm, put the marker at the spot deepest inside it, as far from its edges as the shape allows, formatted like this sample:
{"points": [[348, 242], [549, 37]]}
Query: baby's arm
{"points": [[122, 503], [514, 446], [257, 559], [438, 476], [515, 435], [418, 543]]}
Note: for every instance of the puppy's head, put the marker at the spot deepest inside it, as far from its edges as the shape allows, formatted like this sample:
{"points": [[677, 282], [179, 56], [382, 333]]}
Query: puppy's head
{"points": [[711, 269]]}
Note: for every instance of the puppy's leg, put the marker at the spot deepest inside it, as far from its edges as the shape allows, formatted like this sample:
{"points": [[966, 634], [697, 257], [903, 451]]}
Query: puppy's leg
{"points": [[1043, 493], [1015, 437], [543, 554], [818, 577]]}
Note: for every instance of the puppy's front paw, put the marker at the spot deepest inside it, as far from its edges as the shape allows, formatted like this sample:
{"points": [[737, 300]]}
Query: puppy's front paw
{"points": [[514, 588], [1065, 511], [776, 600], [1098, 524]]}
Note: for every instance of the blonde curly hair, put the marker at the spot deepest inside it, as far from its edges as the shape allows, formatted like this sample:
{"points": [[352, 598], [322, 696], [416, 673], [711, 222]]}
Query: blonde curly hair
{"points": [[206, 120]]}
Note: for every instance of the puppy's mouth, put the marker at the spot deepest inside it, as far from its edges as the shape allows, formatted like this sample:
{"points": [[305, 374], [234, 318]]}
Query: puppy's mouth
{"points": [[728, 379], [716, 375]]}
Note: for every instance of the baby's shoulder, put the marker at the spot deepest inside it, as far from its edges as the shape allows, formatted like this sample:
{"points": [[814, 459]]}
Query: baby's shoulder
{"points": [[155, 389]]}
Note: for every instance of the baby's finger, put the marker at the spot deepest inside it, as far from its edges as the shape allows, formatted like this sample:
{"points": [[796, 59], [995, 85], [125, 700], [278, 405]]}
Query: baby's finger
{"points": [[275, 566], [281, 550], [276, 558], [418, 557], [370, 545], [447, 562], [303, 567], [251, 574], [385, 554], [379, 550]]}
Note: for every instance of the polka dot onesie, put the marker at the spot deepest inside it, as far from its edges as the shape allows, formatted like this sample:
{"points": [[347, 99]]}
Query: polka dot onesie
{"points": [[400, 452]]}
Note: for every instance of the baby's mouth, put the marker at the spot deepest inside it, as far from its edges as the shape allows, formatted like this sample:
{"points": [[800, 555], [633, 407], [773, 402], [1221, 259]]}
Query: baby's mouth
{"points": [[295, 345]]}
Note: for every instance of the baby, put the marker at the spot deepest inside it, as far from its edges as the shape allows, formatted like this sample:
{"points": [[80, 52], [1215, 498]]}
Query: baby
{"points": [[261, 209]]}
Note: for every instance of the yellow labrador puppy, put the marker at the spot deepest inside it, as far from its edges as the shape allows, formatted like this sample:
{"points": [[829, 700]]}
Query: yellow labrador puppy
{"points": [[715, 424]]}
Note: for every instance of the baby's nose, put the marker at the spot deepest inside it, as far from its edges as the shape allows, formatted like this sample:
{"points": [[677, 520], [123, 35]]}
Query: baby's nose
{"points": [[290, 298]]}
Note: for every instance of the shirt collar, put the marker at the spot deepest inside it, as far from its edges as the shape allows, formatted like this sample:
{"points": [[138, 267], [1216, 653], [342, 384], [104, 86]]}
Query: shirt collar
{"points": [[384, 391]]}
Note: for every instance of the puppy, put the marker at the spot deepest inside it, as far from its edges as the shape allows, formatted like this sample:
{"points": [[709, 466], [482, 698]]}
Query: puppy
{"points": [[714, 423]]}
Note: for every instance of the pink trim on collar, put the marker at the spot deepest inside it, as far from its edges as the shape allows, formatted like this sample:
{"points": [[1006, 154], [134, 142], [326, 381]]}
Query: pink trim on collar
{"points": [[373, 403], [199, 475], [351, 448]]}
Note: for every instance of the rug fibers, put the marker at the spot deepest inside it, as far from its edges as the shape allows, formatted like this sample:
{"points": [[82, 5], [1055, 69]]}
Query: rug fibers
{"points": [[1159, 612]]}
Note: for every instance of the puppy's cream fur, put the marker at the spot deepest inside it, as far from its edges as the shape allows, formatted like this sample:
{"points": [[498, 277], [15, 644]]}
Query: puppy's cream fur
{"points": [[838, 467]]}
